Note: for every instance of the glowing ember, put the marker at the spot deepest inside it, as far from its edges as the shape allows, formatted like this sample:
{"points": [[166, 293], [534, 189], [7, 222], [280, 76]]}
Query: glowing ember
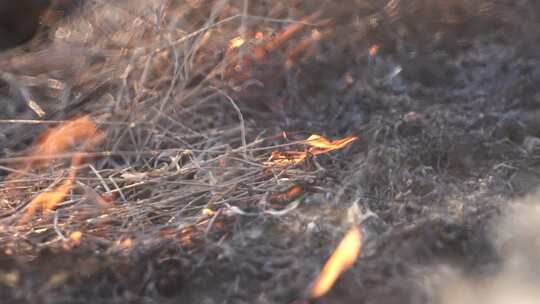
{"points": [[341, 260], [125, 243], [290, 31], [303, 46]]}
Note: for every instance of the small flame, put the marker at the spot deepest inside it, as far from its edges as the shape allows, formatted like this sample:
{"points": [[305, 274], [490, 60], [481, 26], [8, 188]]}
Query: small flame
{"points": [[73, 240], [125, 244], [341, 260], [236, 43], [374, 50], [290, 31], [319, 145], [47, 201], [208, 212], [286, 159], [75, 237], [54, 142], [58, 140]]}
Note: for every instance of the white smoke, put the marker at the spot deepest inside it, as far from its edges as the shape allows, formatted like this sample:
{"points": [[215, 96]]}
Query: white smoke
{"points": [[517, 239]]}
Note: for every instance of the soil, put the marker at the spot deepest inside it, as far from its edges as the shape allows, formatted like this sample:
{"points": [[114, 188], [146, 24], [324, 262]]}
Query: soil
{"points": [[443, 96]]}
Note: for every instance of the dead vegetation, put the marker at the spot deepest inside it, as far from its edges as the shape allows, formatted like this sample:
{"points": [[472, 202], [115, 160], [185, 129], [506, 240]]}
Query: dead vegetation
{"points": [[180, 158]]}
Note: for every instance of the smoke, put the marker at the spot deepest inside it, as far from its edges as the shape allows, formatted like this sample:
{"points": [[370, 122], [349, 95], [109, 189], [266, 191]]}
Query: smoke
{"points": [[517, 239]]}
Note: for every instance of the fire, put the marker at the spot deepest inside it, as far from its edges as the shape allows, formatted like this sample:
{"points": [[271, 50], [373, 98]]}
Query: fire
{"points": [[341, 260], [286, 159], [289, 32], [80, 131], [208, 212], [58, 140], [47, 201], [236, 43], [73, 240], [374, 50], [319, 145], [125, 244]]}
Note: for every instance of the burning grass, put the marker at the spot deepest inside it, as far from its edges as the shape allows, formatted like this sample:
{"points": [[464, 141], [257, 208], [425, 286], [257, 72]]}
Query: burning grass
{"points": [[180, 149], [176, 153]]}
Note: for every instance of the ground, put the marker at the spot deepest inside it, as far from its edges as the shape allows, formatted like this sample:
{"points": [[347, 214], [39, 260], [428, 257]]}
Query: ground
{"points": [[177, 198]]}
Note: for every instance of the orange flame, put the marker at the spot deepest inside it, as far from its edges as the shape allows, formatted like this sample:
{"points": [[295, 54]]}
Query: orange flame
{"points": [[374, 50], [290, 31], [58, 140], [319, 145], [341, 260], [49, 146], [286, 159], [236, 42], [73, 240], [47, 201]]}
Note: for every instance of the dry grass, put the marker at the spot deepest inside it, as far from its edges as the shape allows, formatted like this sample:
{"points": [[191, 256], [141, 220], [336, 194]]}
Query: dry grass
{"points": [[178, 153]]}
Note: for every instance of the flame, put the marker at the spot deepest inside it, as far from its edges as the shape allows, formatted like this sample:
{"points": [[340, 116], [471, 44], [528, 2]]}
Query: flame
{"points": [[303, 46], [208, 212], [58, 140], [290, 31], [280, 39], [47, 201], [236, 43], [73, 240], [286, 159], [319, 145], [125, 244], [54, 142], [374, 50], [341, 260]]}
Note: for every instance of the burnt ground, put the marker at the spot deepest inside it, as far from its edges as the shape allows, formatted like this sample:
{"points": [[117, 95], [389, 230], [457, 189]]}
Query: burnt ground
{"points": [[443, 96]]}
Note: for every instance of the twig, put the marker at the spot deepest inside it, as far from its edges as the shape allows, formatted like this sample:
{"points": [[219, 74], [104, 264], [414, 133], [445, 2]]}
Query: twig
{"points": [[240, 117], [56, 229]]}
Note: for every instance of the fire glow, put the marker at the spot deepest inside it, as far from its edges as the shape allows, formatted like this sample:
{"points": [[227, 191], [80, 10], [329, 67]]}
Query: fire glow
{"points": [[80, 131], [340, 261], [318, 145], [60, 139]]}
